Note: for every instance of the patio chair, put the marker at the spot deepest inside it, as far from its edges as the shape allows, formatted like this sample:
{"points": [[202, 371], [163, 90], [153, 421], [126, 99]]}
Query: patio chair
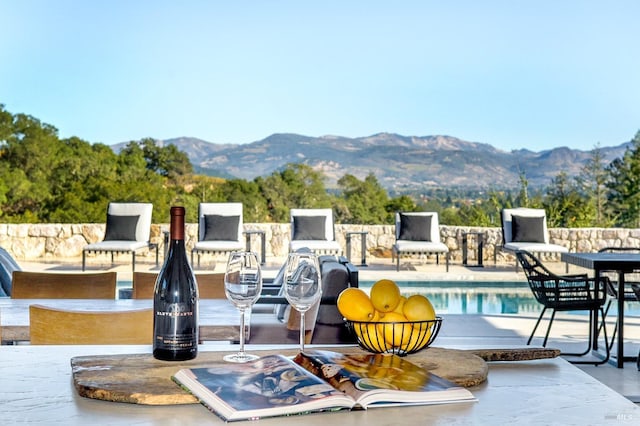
{"points": [[219, 229], [62, 285], [563, 293], [526, 229], [128, 229], [313, 229], [50, 326], [418, 233], [210, 285], [612, 284]]}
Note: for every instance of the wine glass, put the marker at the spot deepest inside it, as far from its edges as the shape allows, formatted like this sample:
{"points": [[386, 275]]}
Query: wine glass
{"points": [[302, 285], [242, 286]]}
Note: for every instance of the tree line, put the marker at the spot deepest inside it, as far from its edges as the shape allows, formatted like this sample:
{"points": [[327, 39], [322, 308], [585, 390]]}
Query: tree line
{"points": [[45, 179]]}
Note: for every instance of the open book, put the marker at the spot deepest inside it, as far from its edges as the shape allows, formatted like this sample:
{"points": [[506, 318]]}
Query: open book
{"points": [[315, 381]]}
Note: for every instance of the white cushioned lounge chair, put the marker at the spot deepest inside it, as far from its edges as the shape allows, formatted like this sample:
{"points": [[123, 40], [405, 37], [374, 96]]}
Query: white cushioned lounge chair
{"points": [[526, 229], [418, 233], [127, 231], [313, 229], [219, 229]]}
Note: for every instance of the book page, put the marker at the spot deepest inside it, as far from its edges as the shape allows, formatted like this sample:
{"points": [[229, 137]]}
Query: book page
{"points": [[376, 378], [269, 386]]}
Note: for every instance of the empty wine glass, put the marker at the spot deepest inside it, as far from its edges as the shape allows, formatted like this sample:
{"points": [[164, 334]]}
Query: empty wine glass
{"points": [[242, 286], [302, 285]]}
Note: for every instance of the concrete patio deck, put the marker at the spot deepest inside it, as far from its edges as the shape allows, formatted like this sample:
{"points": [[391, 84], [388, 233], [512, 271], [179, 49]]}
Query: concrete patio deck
{"points": [[491, 331]]}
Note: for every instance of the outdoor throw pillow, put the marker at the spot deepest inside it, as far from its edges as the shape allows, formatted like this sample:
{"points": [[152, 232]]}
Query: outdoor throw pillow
{"points": [[309, 228], [121, 228], [527, 229], [415, 227], [220, 228]]}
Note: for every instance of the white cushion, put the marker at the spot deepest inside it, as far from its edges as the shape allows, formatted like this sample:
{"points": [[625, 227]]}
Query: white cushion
{"points": [[327, 213], [435, 224], [221, 209], [219, 245], [405, 246], [116, 246], [535, 247], [144, 210], [507, 228], [315, 245]]}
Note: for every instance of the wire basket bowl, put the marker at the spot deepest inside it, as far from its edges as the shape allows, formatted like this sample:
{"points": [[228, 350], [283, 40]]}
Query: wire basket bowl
{"points": [[400, 338]]}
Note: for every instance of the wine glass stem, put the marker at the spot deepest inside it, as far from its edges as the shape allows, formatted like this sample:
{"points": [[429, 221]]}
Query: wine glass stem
{"points": [[301, 331], [241, 353]]}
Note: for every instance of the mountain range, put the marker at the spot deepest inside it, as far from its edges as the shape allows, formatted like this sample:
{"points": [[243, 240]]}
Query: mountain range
{"points": [[398, 162]]}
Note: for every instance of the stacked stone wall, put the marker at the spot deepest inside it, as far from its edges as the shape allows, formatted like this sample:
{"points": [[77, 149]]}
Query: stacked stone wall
{"points": [[37, 242]]}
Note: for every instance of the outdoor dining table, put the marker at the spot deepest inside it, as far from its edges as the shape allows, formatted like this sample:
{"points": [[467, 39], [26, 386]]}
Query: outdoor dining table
{"points": [[38, 389], [219, 320], [622, 263]]}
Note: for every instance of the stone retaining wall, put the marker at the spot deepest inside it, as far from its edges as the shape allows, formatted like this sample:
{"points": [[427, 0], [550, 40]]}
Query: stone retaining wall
{"points": [[40, 242]]}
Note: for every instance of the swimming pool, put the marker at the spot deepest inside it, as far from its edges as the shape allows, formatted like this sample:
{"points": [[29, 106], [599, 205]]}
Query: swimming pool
{"points": [[472, 297], [480, 297]]}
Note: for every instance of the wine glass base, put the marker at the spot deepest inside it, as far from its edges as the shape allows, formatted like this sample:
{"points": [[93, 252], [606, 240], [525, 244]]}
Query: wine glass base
{"points": [[239, 357]]}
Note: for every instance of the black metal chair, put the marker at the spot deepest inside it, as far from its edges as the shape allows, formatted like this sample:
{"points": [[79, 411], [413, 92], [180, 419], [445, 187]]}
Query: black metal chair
{"points": [[565, 293], [612, 285]]}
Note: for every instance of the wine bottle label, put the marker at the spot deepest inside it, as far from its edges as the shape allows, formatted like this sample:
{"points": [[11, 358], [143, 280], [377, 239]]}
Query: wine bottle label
{"points": [[176, 310], [176, 327]]}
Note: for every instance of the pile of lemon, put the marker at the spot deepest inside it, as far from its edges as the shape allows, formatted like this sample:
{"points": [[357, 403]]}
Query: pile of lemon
{"points": [[372, 314]]}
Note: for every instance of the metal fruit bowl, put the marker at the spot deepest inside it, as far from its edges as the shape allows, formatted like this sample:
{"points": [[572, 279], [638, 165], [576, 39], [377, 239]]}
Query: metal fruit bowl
{"points": [[400, 338]]}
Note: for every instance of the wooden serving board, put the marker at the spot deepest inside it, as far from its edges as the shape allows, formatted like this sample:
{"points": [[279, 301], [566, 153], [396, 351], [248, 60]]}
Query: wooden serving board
{"points": [[142, 379]]}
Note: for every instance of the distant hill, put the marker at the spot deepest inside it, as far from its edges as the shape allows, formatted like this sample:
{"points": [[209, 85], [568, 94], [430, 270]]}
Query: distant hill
{"points": [[399, 162]]}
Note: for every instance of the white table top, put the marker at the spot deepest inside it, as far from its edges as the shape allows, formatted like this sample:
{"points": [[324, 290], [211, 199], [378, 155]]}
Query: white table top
{"points": [[37, 388]]}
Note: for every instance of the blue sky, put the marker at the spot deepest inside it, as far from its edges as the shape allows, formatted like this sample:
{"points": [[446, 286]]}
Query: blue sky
{"points": [[513, 74]]}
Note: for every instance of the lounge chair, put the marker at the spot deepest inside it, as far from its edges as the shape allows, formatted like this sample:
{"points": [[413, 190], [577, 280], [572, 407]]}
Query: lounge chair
{"points": [[418, 233], [526, 229], [219, 229], [313, 229], [127, 231]]}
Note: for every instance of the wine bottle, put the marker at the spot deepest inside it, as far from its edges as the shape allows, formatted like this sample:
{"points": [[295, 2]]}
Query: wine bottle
{"points": [[175, 300]]}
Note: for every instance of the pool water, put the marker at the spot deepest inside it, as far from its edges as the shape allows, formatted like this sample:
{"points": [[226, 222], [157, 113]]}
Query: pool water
{"points": [[479, 297]]}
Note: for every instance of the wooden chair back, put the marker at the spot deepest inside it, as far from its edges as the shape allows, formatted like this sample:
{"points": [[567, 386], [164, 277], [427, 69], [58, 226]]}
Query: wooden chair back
{"points": [[49, 326], [54, 285], [210, 285]]}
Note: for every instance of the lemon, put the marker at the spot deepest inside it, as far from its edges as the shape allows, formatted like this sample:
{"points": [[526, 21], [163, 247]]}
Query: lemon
{"points": [[370, 337], [419, 337], [418, 308], [355, 305], [396, 334], [385, 295], [399, 308]]}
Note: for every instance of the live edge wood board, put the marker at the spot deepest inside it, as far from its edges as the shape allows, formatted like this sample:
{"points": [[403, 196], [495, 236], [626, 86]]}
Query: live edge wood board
{"points": [[141, 379]]}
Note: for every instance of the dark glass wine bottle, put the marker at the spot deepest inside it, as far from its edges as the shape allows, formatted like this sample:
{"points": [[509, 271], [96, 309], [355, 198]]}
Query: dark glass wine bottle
{"points": [[175, 300]]}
